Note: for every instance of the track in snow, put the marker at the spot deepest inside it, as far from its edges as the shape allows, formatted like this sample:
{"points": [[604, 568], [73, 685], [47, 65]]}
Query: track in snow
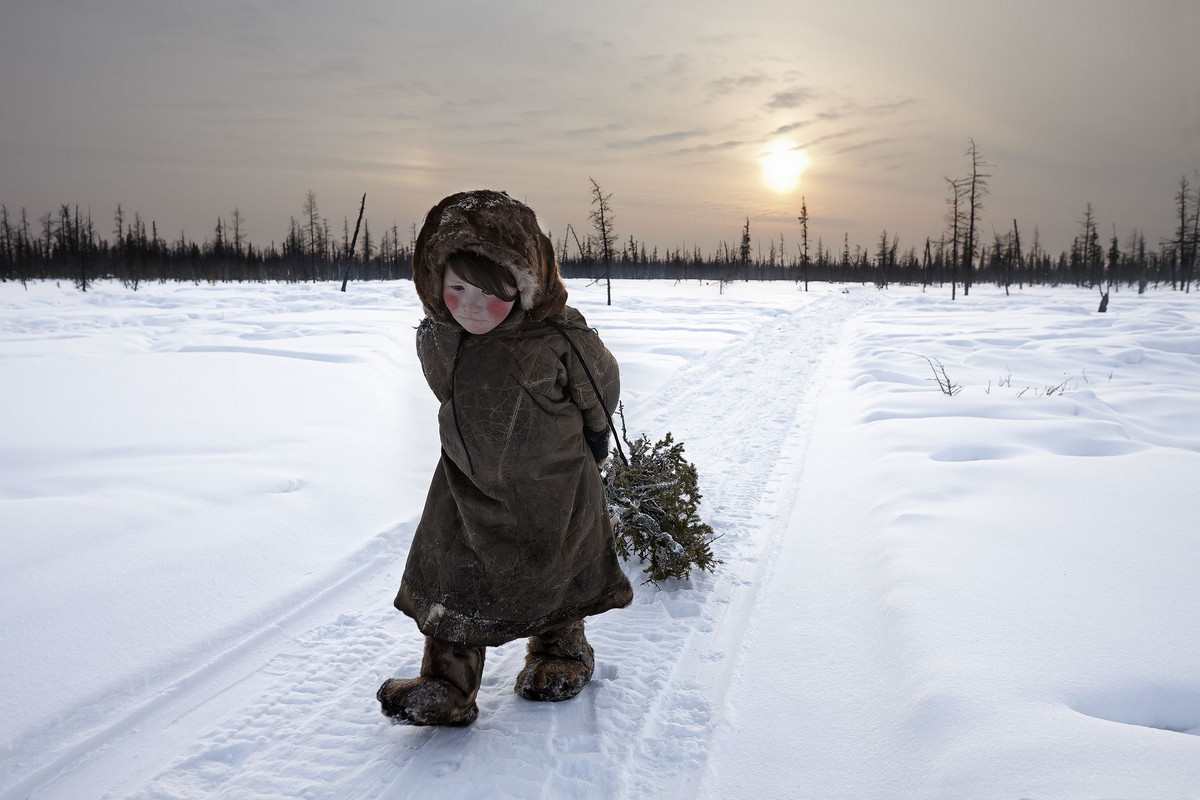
{"points": [[290, 711]]}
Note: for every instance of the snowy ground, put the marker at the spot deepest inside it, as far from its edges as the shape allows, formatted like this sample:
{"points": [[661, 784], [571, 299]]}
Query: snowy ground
{"points": [[207, 494]]}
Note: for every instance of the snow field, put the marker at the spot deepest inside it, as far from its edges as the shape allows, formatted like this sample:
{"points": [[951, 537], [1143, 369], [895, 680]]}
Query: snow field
{"points": [[205, 511], [1007, 571], [221, 720]]}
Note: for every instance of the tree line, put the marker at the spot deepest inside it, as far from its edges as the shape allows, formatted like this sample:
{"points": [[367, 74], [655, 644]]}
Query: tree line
{"points": [[67, 245], [960, 255]]}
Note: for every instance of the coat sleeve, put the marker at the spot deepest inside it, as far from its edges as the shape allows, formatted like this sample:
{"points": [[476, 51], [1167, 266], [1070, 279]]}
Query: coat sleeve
{"points": [[436, 346], [604, 370]]}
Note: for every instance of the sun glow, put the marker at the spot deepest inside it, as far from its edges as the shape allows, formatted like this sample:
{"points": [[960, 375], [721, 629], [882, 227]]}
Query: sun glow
{"points": [[782, 166]]}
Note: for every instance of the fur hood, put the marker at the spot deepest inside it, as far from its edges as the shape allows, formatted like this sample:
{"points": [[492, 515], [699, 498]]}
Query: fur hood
{"points": [[493, 225]]}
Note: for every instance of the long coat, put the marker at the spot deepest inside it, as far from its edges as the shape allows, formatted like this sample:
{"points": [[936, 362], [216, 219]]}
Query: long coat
{"points": [[515, 537]]}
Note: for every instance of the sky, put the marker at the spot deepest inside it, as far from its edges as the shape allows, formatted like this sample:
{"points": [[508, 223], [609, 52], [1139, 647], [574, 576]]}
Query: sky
{"points": [[182, 112]]}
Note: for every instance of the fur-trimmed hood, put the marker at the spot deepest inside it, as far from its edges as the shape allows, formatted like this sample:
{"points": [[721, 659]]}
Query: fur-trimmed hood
{"points": [[493, 225]]}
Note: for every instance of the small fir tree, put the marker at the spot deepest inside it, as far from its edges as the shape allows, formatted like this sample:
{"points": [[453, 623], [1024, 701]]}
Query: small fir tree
{"points": [[653, 499]]}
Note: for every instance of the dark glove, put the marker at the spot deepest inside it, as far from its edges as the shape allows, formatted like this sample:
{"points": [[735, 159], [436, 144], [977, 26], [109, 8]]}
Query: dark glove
{"points": [[598, 443]]}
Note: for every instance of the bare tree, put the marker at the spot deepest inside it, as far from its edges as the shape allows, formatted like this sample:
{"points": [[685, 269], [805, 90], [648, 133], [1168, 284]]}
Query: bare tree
{"points": [[845, 262], [350, 246], [1090, 246], [313, 242], [1035, 253], [744, 249], [238, 239], [976, 191], [1185, 240], [6, 244], [926, 264], [218, 249], [23, 239], [396, 249], [1114, 260], [954, 219], [1018, 256], [367, 245], [1195, 244], [606, 235], [1137, 251], [804, 239], [119, 230], [882, 260], [47, 223]]}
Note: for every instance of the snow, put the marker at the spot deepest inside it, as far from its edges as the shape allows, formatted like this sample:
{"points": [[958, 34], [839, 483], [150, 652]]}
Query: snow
{"points": [[207, 494]]}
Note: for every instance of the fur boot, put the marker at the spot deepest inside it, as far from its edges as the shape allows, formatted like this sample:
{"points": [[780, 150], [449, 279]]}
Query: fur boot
{"points": [[558, 664], [445, 692]]}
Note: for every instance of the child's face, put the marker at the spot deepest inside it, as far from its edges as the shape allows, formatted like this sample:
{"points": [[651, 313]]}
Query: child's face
{"points": [[472, 307]]}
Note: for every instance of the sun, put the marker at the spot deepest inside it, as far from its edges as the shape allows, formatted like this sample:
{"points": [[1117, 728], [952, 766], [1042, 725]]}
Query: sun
{"points": [[782, 166]]}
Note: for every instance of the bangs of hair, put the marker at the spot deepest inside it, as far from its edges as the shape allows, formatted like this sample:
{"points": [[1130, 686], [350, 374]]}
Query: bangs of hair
{"points": [[484, 273]]}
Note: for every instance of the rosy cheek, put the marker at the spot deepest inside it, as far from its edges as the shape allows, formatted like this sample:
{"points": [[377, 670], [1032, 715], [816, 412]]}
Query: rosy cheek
{"points": [[451, 301], [498, 308]]}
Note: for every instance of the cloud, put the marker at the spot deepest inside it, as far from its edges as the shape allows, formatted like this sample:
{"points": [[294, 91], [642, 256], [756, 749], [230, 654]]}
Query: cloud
{"points": [[709, 148], [371, 165], [833, 115], [850, 148], [847, 108], [593, 130], [792, 98], [650, 141], [663, 72], [829, 137], [883, 109], [794, 126], [729, 84]]}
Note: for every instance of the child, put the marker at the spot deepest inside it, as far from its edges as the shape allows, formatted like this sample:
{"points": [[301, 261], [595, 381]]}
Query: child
{"points": [[515, 540]]}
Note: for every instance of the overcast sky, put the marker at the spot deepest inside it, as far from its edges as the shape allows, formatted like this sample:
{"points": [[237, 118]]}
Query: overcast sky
{"points": [[182, 111]]}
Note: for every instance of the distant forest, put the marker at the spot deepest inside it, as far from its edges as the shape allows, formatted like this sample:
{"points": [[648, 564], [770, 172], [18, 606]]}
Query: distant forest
{"points": [[67, 244]]}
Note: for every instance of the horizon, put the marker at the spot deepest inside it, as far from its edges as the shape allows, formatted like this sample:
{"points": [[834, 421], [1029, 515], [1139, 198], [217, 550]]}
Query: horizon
{"points": [[694, 117]]}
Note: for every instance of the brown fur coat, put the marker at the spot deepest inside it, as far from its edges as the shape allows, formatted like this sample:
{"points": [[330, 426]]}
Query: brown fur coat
{"points": [[515, 537]]}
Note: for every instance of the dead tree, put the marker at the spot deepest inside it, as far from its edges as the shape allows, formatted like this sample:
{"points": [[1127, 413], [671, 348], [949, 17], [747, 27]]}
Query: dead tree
{"points": [[315, 239], [1091, 254], [1186, 240], [803, 238], [955, 221], [745, 246], [1019, 256], [976, 191], [350, 247], [606, 236], [238, 223]]}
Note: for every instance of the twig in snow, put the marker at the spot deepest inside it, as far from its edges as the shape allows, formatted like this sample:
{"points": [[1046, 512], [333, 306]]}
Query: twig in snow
{"points": [[948, 387]]}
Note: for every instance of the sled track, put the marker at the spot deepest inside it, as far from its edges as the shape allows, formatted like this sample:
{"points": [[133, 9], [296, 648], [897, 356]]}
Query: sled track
{"points": [[114, 754], [745, 420], [291, 712]]}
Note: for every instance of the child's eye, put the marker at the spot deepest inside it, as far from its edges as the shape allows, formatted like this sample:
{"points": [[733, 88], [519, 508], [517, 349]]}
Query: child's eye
{"points": [[485, 291], [457, 287]]}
